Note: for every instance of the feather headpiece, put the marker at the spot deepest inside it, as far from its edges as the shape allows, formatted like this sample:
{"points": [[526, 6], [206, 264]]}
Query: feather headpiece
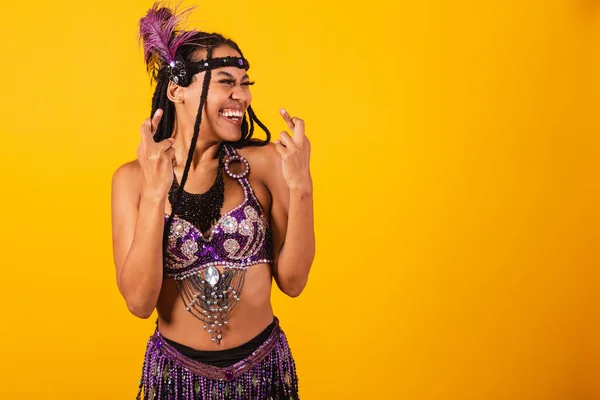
{"points": [[161, 35]]}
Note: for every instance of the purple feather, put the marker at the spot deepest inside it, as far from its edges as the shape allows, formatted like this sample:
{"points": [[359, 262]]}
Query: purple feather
{"points": [[161, 34]]}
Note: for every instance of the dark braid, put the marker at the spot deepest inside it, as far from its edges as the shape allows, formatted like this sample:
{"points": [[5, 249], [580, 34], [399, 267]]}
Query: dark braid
{"points": [[188, 162], [247, 141], [160, 100]]}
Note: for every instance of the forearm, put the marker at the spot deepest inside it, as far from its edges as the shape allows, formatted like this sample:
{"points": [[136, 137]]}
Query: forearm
{"points": [[297, 254], [140, 281]]}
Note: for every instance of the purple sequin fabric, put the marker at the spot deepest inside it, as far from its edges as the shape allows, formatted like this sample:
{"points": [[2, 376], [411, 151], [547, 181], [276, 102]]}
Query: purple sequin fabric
{"points": [[268, 373], [239, 239]]}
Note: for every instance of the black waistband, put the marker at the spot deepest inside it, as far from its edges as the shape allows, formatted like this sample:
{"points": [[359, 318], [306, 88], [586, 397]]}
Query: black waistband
{"points": [[224, 358]]}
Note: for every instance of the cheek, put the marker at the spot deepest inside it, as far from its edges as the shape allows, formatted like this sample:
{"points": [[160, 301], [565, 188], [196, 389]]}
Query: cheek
{"points": [[212, 107], [192, 102], [215, 100]]}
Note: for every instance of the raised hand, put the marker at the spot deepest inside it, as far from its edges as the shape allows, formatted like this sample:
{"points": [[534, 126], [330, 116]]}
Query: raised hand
{"points": [[295, 154], [156, 159]]}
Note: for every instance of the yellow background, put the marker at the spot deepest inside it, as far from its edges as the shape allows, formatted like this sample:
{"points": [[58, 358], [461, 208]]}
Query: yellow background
{"points": [[455, 160]]}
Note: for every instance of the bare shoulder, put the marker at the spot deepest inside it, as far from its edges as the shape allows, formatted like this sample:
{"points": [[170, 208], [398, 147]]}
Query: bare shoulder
{"points": [[128, 176], [264, 161], [259, 155]]}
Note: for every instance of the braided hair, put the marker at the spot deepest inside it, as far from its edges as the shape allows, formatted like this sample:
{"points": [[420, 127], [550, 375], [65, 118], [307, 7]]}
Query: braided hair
{"points": [[160, 72]]}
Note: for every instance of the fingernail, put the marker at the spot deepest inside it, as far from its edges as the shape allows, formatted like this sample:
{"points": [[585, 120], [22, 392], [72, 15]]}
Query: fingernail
{"points": [[282, 111]]}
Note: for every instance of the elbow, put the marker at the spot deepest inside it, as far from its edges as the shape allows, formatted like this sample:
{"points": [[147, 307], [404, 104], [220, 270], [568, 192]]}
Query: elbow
{"points": [[292, 279], [140, 310], [294, 291], [293, 286], [140, 303]]}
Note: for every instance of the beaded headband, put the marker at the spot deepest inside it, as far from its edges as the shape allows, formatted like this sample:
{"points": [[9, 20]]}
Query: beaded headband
{"points": [[161, 35], [179, 74]]}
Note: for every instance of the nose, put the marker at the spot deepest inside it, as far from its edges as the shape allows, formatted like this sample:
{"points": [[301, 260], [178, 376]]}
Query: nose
{"points": [[241, 93]]}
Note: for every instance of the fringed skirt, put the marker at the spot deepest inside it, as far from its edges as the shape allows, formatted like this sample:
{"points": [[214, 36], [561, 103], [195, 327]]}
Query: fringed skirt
{"points": [[266, 371]]}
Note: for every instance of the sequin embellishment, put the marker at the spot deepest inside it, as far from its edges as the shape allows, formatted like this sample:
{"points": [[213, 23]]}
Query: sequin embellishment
{"points": [[229, 224], [251, 213], [231, 246], [246, 228], [210, 271], [189, 247], [179, 230]]}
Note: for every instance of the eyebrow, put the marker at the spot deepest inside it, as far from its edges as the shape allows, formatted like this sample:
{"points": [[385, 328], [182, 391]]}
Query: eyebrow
{"points": [[231, 76]]}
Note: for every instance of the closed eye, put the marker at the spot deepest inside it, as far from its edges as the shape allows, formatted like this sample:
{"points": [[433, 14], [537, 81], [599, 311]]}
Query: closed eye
{"points": [[232, 82]]}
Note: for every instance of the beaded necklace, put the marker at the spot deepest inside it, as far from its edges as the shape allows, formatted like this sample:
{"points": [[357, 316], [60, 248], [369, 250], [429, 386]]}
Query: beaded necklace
{"points": [[201, 209]]}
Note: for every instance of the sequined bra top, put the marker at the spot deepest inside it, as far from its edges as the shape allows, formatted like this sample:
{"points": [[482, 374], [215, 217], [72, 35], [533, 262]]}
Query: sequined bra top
{"points": [[239, 239]]}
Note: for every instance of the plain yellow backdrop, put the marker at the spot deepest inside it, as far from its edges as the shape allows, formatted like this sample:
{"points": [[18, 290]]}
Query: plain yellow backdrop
{"points": [[455, 164]]}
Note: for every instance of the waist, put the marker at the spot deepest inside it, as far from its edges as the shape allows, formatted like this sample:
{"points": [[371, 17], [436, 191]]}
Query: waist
{"points": [[227, 357]]}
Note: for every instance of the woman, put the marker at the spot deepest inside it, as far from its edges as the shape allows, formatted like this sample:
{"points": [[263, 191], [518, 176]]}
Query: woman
{"points": [[205, 218]]}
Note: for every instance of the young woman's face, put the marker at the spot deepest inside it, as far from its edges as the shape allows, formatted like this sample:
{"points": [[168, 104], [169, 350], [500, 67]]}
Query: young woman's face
{"points": [[228, 99]]}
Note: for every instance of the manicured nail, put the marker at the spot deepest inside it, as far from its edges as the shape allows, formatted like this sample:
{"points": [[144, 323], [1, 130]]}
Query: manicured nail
{"points": [[282, 111]]}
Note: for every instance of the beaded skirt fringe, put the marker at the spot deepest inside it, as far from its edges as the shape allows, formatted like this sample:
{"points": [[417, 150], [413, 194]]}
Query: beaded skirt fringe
{"points": [[268, 373]]}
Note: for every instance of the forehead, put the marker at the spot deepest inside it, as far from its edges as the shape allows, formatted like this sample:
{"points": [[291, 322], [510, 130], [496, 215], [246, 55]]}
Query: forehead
{"points": [[226, 51], [218, 52]]}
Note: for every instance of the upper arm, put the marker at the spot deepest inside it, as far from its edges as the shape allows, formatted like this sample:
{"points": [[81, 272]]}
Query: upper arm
{"points": [[280, 199], [124, 210]]}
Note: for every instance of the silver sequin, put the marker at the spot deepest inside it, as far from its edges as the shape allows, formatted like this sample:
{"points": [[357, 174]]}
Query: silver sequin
{"points": [[229, 224], [189, 247], [231, 246], [251, 213], [178, 229], [246, 228]]}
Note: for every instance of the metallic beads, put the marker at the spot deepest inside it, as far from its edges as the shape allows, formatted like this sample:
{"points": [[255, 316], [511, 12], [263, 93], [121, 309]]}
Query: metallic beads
{"points": [[189, 248], [231, 246], [209, 271], [179, 230], [242, 160], [267, 372], [251, 213], [177, 72], [246, 228], [229, 224]]}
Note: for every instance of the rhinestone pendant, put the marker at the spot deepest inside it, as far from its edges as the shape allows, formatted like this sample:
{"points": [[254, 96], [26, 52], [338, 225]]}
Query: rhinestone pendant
{"points": [[212, 275]]}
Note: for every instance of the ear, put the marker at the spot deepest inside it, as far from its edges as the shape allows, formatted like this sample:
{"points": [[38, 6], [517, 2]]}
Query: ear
{"points": [[174, 92]]}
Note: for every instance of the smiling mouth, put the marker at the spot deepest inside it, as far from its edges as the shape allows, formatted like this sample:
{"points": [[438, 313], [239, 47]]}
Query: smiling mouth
{"points": [[232, 115]]}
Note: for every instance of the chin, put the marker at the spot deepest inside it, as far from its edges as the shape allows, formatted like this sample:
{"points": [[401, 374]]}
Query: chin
{"points": [[230, 136]]}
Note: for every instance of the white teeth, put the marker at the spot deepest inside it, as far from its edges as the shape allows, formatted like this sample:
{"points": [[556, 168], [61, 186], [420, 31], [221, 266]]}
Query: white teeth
{"points": [[231, 113]]}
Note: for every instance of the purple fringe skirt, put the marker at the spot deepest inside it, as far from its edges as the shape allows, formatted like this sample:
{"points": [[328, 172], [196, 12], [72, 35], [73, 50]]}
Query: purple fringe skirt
{"points": [[267, 373]]}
